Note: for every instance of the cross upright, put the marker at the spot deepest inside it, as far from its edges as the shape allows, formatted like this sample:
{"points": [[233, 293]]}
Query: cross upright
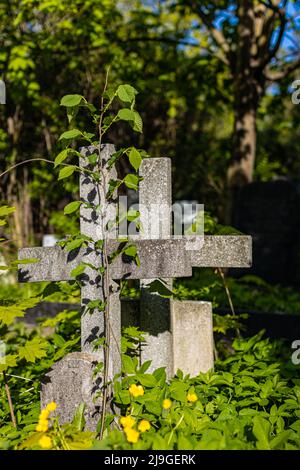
{"points": [[70, 381]]}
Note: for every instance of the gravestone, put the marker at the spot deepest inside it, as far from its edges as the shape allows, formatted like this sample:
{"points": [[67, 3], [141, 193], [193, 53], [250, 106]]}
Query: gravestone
{"points": [[70, 381], [270, 213], [159, 317]]}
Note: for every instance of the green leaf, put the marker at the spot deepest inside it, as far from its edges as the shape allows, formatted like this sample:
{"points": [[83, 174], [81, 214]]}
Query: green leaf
{"points": [[132, 117], [184, 443], [126, 115], [33, 349], [61, 157], [93, 159], [153, 407], [26, 261], [178, 391], [137, 122], [131, 181], [280, 439], [78, 270], [135, 158], [145, 366], [128, 365], [261, 430], [8, 361], [79, 420], [147, 380], [72, 207], [72, 134], [88, 136], [31, 441], [296, 425], [126, 93], [131, 250], [9, 313], [58, 340], [74, 244], [71, 100], [66, 172], [5, 210]]}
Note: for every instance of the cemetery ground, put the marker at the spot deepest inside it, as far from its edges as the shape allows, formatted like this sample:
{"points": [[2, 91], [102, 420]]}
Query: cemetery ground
{"points": [[250, 401]]}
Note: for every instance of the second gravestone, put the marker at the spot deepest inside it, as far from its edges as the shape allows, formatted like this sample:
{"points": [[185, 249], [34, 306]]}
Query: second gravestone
{"points": [[71, 380]]}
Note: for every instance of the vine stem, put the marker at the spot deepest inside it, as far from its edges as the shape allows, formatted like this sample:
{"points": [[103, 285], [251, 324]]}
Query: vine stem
{"points": [[23, 163], [174, 429], [229, 298], [106, 277], [9, 399]]}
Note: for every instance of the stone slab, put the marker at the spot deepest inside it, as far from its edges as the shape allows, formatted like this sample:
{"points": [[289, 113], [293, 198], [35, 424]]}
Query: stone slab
{"points": [[69, 383], [192, 328]]}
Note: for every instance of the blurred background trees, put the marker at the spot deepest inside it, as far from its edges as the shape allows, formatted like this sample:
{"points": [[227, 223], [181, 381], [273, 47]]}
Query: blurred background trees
{"points": [[215, 93]]}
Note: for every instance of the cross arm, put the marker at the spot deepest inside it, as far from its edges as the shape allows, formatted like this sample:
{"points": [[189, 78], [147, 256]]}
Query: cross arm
{"points": [[158, 258], [224, 251]]}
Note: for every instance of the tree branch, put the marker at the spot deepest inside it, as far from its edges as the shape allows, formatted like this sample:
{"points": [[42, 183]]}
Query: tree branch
{"points": [[281, 13], [280, 74], [217, 35]]}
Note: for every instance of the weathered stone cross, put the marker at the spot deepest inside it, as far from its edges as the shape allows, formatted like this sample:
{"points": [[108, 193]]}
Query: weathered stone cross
{"points": [[70, 381]]}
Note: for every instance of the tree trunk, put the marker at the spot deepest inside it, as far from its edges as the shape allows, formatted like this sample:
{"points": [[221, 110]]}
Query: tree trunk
{"points": [[241, 169], [246, 100]]}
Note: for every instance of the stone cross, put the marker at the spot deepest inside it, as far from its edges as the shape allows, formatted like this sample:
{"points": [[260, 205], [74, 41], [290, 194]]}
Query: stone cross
{"points": [[70, 381], [179, 335]]}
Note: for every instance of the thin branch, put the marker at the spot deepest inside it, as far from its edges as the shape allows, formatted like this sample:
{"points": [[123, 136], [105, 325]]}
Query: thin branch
{"points": [[19, 377], [280, 74], [228, 297], [23, 163], [10, 403], [283, 21]]}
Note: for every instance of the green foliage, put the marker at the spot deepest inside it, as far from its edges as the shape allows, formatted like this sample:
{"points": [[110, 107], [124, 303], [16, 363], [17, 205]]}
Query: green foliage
{"points": [[29, 355], [5, 211], [250, 401], [9, 313], [33, 349]]}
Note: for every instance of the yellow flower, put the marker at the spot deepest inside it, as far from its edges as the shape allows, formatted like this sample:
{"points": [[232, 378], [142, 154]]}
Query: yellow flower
{"points": [[167, 404], [45, 442], [136, 390], [44, 414], [192, 397], [132, 435], [43, 425], [144, 425], [51, 406], [127, 421]]}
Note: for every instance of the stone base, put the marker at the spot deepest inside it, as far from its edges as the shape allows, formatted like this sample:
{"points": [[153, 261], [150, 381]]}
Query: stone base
{"points": [[69, 383], [179, 334]]}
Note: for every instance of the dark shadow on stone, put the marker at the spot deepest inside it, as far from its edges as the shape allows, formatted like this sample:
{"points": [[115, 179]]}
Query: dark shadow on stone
{"points": [[72, 255], [92, 195], [23, 275]]}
